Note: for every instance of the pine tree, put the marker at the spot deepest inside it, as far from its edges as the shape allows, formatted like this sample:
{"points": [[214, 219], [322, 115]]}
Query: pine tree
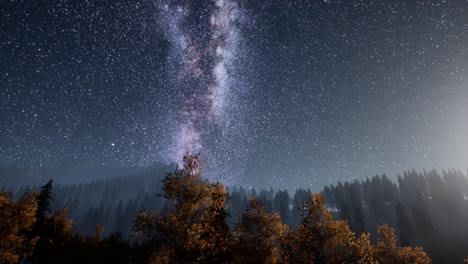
{"points": [[44, 200], [404, 224]]}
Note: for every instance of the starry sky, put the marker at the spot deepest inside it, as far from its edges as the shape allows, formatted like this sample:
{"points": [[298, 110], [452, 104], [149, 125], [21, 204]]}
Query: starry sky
{"points": [[276, 94]]}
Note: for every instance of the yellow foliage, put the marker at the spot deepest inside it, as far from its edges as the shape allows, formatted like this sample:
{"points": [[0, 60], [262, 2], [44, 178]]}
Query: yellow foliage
{"points": [[16, 219], [320, 238], [163, 256], [98, 233], [260, 235], [195, 229], [60, 222], [388, 252], [364, 250]]}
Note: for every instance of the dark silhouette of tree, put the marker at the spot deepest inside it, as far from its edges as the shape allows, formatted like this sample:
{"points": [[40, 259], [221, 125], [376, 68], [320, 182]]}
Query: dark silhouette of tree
{"points": [[354, 202], [424, 227], [299, 196], [281, 204], [404, 225], [44, 200], [52, 231]]}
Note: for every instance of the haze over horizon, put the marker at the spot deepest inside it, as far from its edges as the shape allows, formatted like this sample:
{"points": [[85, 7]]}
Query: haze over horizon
{"points": [[277, 94]]}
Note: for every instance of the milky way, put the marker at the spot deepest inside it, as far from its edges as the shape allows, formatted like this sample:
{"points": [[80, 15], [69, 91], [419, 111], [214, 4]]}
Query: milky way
{"points": [[203, 61]]}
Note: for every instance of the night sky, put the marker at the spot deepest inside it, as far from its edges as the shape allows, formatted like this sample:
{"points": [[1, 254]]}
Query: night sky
{"points": [[277, 94]]}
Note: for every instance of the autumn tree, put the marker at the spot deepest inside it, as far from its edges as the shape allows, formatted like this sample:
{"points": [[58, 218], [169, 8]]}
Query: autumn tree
{"points": [[362, 250], [16, 221], [387, 251], [212, 234], [194, 228], [259, 235], [321, 239]]}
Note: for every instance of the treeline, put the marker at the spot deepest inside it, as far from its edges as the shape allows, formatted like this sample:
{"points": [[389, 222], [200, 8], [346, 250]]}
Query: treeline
{"points": [[426, 209], [192, 228], [113, 202]]}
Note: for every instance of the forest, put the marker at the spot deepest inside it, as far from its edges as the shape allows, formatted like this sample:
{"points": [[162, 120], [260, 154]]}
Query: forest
{"points": [[178, 217]]}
